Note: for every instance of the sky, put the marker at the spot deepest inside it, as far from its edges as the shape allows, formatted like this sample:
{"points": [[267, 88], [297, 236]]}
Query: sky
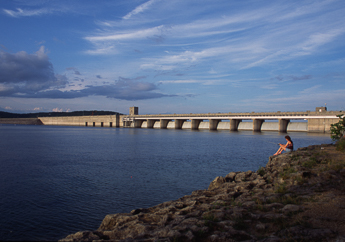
{"points": [[177, 56]]}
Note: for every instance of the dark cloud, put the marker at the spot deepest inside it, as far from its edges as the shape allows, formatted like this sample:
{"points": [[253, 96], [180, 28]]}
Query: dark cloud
{"points": [[279, 78], [78, 79], [124, 89], [27, 73], [299, 78], [24, 75], [159, 39], [292, 78], [99, 76], [75, 70]]}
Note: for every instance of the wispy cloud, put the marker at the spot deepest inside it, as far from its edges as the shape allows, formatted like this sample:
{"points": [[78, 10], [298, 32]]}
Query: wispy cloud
{"points": [[26, 13], [298, 102], [130, 35], [179, 81], [245, 52], [318, 39], [141, 8], [220, 49]]}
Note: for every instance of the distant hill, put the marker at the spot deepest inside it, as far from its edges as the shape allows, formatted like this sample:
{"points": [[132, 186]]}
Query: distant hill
{"points": [[56, 114]]}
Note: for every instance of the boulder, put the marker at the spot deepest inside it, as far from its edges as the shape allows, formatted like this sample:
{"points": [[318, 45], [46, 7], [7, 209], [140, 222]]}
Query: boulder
{"points": [[216, 183]]}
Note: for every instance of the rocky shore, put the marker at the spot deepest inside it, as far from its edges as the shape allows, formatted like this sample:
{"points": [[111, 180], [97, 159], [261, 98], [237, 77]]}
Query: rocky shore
{"points": [[298, 196]]}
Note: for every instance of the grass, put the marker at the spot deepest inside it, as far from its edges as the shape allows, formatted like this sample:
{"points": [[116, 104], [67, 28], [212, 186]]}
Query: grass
{"points": [[295, 157], [239, 224], [281, 188], [286, 172], [311, 163], [317, 158], [300, 180], [303, 222], [237, 204], [200, 234], [261, 208], [283, 200], [210, 221], [261, 171], [210, 218]]}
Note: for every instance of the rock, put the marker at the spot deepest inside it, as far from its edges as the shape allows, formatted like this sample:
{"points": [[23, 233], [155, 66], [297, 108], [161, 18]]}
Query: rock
{"points": [[342, 172], [190, 236], [248, 173], [291, 208], [85, 236], [249, 204], [299, 233], [230, 177], [240, 177], [273, 206], [260, 226], [243, 205], [217, 182]]}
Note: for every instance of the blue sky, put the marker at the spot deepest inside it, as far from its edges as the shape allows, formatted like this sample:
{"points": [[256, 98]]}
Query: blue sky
{"points": [[180, 56]]}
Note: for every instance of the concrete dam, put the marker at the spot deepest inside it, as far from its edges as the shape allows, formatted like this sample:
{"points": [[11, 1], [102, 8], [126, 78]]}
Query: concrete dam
{"points": [[319, 120]]}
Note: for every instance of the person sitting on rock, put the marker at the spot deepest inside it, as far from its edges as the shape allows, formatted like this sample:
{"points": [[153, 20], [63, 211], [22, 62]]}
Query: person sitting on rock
{"points": [[288, 147]]}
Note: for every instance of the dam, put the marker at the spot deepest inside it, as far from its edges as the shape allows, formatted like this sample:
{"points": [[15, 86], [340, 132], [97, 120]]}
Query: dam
{"points": [[319, 120]]}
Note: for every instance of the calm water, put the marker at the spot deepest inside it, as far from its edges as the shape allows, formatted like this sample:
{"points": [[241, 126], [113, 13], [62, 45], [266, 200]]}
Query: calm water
{"points": [[59, 180]]}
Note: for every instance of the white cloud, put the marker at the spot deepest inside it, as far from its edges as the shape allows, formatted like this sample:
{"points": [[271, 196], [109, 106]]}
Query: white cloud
{"points": [[59, 110], [25, 13], [311, 90], [318, 39], [130, 35], [313, 7], [102, 50], [141, 8], [160, 67], [179, 81], [309, 97]]}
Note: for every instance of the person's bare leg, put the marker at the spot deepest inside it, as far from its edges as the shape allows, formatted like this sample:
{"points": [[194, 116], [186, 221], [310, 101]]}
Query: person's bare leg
{"points": [[279, 151]]}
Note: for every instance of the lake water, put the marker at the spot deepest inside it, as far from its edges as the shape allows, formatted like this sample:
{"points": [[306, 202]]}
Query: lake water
{"points": [[56, 180]]}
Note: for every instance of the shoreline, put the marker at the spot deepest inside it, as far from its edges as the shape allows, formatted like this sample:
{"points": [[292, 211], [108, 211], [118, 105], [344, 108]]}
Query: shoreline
{"points": [[296, 196]]}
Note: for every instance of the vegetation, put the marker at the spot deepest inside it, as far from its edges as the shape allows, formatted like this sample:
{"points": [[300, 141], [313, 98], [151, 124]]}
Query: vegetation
{"points": [[338, 129], [281, 188], [286, 173], [341, 145], [261, 171]]}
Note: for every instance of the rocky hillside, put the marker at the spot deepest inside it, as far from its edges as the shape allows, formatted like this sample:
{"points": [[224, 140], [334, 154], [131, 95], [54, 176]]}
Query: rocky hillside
{"points": [[298, 196]]}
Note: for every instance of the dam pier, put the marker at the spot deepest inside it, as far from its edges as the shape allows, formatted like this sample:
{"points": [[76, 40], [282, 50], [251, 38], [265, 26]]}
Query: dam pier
{"points": [[319, 120]]}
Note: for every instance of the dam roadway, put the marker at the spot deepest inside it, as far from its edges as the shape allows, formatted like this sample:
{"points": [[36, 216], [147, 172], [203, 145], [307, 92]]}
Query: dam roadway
{"points": [[319, 120]]}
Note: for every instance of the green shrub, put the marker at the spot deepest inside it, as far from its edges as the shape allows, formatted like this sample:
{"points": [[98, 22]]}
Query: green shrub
{"points": [[338, 129], [341, 145]]}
